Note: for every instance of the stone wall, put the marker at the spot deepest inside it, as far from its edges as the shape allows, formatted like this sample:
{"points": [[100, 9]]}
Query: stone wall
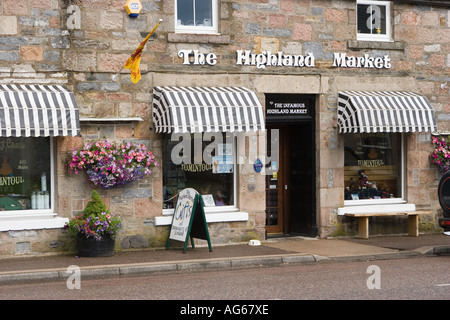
{"points": [[83, 43], [24, 242]]}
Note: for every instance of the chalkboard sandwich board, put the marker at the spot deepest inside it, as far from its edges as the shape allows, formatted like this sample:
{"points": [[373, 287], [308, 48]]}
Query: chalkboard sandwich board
{"points": [[189, 219]]}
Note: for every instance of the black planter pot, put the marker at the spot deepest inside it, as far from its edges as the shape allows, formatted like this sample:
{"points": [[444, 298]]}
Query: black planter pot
{"points": [[89, 247]]}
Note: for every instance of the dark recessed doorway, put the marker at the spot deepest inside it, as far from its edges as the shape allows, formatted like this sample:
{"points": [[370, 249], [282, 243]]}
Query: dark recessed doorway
{"points": [[290, 179]]}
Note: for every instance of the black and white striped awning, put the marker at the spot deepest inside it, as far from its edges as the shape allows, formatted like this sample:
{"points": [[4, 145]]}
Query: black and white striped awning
{"points": [[37, 111], [206, 109], [381, 111]]}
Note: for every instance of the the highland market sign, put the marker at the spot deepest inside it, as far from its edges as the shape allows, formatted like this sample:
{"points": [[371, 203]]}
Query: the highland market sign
{"points": [[279, 59]]}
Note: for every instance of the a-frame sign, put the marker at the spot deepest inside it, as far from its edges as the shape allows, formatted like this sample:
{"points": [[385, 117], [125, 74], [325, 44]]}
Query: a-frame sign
{"points": [[189, 220]]}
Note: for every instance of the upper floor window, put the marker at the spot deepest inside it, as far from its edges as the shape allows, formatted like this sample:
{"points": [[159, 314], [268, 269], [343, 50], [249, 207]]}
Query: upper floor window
{"points": [[196, 16], [373, 20]]}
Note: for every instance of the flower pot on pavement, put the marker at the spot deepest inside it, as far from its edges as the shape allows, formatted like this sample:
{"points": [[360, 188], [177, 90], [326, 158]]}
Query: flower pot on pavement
{"points": [[95, 229], [91, 247]]}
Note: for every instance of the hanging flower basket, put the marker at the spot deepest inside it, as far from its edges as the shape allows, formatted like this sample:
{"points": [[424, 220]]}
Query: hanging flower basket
{"points": [[441, 154], [109, 164]]}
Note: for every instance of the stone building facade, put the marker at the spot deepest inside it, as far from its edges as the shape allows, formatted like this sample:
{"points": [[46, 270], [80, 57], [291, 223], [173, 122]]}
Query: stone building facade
{"points": [[296, 53]]}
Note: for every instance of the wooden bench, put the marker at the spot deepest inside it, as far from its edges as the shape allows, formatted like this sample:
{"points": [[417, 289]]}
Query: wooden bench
{"points": [[363, 221]]}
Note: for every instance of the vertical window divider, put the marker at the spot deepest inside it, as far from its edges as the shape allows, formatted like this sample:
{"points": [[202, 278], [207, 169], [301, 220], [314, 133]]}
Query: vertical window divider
{"points": [[51, 174], [402, 172]]}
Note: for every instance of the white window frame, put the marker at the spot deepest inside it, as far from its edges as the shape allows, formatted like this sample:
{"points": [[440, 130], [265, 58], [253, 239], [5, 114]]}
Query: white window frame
{"points": [[34, 219], [398, 200], [376, 37], [213, 29]]}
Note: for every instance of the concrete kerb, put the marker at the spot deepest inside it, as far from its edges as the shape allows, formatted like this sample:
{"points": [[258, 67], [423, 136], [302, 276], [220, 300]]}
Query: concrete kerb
{"points": [[29, 276], [439, 250], [214, 264], [152, 268], [378, 256], [199, 265]]}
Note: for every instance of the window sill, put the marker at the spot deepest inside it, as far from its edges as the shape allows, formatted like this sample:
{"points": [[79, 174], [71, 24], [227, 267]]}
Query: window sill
{"points": [[376, 207], [376, 45], [364, 202], [130, 119], [31, 221], [198, 38]]}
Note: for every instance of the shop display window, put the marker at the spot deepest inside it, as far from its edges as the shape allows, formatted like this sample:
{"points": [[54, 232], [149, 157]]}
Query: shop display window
{"points": [[25, 170], [373, 20], [209, 168], [196, 16], [373, 166]]}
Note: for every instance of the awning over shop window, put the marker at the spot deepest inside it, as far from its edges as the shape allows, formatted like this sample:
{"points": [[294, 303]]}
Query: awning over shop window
{"points": [[206, 109], [381, 111], [37, 111]]}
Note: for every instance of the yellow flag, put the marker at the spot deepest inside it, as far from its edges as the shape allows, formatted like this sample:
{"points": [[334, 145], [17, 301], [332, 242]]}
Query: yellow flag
{"points": [[134, 61]]}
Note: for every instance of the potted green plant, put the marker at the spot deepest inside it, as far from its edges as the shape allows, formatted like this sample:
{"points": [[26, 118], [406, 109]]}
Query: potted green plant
{"points": [[95, 229]]}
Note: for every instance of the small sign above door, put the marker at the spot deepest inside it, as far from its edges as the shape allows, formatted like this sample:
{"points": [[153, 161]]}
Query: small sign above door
{"points": [[288, 107]]}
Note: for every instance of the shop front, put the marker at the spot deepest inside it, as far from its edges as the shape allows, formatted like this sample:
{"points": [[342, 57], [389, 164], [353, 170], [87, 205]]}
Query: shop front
{"points": [[291, 153], [31, 116], [377, 127], [203, 132], [373, 124]]}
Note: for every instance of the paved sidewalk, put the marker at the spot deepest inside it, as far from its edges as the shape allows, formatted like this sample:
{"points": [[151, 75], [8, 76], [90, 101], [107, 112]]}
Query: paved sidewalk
{"points": [[273, 252]]}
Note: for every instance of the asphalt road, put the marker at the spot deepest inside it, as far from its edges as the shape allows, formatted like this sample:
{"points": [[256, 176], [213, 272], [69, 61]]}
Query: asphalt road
{"points": [[400, 279]]}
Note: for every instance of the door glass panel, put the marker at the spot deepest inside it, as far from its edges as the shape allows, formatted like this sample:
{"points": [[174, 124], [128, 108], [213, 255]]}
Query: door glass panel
{"points": [[271, 201], [273, 184]]}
